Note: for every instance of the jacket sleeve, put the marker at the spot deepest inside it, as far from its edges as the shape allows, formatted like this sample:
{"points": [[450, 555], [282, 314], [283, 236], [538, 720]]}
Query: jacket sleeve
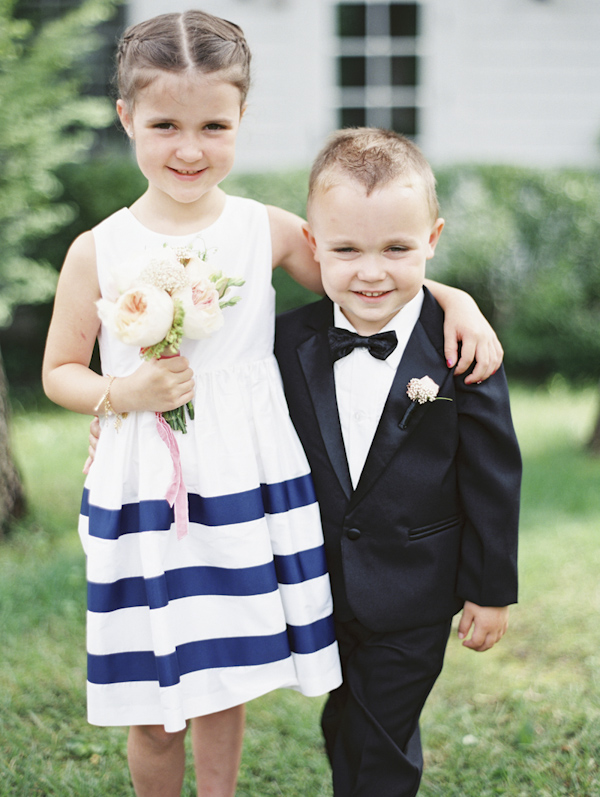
{"points": [[489, 478]]}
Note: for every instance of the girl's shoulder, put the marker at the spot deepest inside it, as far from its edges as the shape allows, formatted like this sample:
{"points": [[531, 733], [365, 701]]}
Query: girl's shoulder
{"points": [[120, 218]]}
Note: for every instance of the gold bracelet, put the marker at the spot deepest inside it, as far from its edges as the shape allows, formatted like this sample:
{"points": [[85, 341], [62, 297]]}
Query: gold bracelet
{"points": [[108, 408]]}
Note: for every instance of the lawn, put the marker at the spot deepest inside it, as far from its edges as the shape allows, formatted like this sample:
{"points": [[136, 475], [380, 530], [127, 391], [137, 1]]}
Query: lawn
{"points": [[520, 720]]}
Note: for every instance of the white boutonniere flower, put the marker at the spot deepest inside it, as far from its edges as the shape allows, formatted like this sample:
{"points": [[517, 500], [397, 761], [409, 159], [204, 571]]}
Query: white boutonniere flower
{"points": [[420, 391]]}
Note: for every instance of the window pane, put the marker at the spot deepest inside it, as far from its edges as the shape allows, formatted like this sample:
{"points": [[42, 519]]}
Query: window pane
{"points": [[352, 70], [404, 70], [352, 117], [404, 120], [351, 19], [403, 19], [379, 117], [378, 19], [379, 71]]}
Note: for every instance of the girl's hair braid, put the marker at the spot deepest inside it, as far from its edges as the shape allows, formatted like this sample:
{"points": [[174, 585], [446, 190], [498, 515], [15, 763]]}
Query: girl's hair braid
{"points": [[181, 42]]}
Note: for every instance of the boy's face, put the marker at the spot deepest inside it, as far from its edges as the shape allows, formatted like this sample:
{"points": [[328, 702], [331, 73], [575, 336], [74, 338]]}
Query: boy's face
{"points": [[372, 249]]}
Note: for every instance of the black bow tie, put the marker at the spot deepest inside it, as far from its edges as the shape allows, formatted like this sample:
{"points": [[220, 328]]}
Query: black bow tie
{"points": [[342, 342]]}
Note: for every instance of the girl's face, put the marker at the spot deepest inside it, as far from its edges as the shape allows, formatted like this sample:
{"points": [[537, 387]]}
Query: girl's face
{"points": [[184, 127]]}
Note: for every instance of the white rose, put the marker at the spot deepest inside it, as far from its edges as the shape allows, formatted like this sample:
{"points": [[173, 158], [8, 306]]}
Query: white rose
{"points": [[142, 316], [422, 390]]}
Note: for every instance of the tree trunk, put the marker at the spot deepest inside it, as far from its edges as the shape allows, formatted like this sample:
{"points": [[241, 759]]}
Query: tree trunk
{"points": [[594, 441], [12, 496]]}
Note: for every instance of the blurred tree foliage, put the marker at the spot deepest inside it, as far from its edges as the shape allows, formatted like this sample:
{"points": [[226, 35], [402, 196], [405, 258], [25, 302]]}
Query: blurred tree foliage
{"points": [[524, 243], [44, 123]]}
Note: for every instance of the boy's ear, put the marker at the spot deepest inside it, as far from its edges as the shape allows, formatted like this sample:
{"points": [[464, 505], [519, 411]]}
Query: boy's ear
{"points": [[434, 236], [125, 117], [310, 239]]}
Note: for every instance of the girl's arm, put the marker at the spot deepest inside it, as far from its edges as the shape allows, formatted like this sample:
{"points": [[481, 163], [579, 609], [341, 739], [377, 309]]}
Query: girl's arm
{"points": [[291, 250], [464, 322], [66, 375]]}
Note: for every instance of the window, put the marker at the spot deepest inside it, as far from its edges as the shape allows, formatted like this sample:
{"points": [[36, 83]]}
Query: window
{"points": [[378, 67]]}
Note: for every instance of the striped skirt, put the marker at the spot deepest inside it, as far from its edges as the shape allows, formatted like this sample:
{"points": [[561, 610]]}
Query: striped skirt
{"points": [[183, 626]]}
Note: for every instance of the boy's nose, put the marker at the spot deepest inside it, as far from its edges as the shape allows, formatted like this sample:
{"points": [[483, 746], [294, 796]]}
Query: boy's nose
{"points": [[370, 269]]}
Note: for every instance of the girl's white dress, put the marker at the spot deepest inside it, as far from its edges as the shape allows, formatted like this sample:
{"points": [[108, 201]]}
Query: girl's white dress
{"points": [[241, 605]]}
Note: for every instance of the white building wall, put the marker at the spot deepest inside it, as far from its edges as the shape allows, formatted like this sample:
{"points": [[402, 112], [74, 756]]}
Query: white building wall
{"points": [[290, 105], [512, 81], [502, 81]]}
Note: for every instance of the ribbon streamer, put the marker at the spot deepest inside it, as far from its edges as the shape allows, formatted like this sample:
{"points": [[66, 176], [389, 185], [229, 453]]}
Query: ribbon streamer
{"points": [[177, 493]]}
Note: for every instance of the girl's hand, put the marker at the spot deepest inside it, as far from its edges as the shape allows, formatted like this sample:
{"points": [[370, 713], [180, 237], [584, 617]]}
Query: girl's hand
{"points": [[464, 323], [156, 386], [479, 342]]}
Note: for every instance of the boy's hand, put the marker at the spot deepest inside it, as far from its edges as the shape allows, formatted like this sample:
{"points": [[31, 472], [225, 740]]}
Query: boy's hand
{"points": [[93, 442], [489, 625]]}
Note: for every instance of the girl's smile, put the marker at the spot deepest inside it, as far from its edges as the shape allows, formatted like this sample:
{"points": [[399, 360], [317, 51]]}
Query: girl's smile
{"points": [[184, 127]]}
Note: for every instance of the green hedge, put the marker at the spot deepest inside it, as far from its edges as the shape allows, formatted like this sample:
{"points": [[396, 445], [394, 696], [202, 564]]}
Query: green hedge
{"points": [[523, 242]]}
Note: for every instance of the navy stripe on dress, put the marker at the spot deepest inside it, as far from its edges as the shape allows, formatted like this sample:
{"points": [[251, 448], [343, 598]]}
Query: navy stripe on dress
{"points": [[209, 654], [221, 510], [186, 582]]}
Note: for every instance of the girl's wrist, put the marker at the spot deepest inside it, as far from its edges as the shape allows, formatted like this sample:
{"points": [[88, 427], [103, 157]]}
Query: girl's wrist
{"points": [[109, 407]]}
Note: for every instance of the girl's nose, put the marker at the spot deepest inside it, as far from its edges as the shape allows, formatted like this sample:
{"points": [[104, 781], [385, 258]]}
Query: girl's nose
{"points": [[190, 149]]}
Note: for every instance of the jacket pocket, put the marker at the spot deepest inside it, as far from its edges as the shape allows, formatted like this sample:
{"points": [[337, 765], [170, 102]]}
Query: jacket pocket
{"points": [[434, 528]]}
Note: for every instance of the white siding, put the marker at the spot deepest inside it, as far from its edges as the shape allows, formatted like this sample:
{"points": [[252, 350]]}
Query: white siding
{"points": [[511, 81]]}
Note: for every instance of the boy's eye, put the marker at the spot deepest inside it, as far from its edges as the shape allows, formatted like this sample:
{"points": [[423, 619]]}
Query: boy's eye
{"points": [[344, 249], [215, 126], [397, 249]]}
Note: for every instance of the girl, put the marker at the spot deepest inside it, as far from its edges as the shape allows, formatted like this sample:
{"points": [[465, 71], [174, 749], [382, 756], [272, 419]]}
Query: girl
{"points": [[185, 626]]}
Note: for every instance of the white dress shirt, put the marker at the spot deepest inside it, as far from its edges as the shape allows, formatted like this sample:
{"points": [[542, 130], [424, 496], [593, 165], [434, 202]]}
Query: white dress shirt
{"points": [[362, 384]]}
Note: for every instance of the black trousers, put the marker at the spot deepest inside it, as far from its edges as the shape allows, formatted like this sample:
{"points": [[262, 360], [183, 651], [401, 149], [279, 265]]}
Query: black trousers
{"points": [[371, 722]]}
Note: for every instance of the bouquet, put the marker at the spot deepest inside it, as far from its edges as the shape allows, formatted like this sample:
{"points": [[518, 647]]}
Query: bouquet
{"points": [[174, 294]]}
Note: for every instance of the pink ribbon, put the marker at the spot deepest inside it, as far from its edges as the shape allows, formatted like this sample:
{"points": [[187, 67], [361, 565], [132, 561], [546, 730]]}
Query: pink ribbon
{"points": [[176, 494]]}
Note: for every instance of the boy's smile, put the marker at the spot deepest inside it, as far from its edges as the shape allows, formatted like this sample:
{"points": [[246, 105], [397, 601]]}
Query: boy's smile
{"points": [[372, 249]]}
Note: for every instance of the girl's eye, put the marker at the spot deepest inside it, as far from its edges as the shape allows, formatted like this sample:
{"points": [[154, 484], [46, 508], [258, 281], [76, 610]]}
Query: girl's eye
{"points": [[215, 126], [164, 126]]}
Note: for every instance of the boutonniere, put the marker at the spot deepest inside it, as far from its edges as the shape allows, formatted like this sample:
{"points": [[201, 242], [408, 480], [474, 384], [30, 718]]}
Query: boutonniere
{"points": [[420, 391]]}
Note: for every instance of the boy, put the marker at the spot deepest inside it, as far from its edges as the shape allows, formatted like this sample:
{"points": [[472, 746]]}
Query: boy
{"points": [[418, 489]]}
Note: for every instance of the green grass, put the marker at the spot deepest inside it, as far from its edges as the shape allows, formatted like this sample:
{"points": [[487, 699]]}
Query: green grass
{"points": [[522, 720]]}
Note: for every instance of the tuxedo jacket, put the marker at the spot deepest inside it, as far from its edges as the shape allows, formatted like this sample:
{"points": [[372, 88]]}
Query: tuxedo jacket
{"points": [[433, 519]]}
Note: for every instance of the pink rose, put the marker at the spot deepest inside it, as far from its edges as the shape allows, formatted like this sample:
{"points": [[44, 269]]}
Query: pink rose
{"points": [[202, 313]]}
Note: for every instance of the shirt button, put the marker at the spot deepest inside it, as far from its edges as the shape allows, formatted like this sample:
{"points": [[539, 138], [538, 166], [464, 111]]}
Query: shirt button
{"points": [[359, 416], [353, 534]]}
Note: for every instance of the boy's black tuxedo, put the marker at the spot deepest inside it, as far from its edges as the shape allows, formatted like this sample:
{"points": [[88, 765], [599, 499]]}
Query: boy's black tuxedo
{"points": [[433, 520], [431, 523]]}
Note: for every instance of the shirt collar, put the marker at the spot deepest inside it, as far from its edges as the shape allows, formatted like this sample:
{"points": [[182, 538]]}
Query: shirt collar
{"points": [[402, 324]]}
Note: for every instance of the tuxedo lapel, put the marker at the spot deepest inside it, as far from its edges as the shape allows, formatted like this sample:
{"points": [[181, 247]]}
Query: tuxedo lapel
{"points": [[318, 370], [421, 358]]}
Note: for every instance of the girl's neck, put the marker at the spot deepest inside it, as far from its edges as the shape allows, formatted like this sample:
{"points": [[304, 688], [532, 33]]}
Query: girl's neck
{"points": [[159, 213]]}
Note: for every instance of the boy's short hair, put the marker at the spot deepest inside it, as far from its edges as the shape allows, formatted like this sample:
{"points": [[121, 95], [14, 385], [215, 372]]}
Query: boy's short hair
{"points": [[373, 157]]}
